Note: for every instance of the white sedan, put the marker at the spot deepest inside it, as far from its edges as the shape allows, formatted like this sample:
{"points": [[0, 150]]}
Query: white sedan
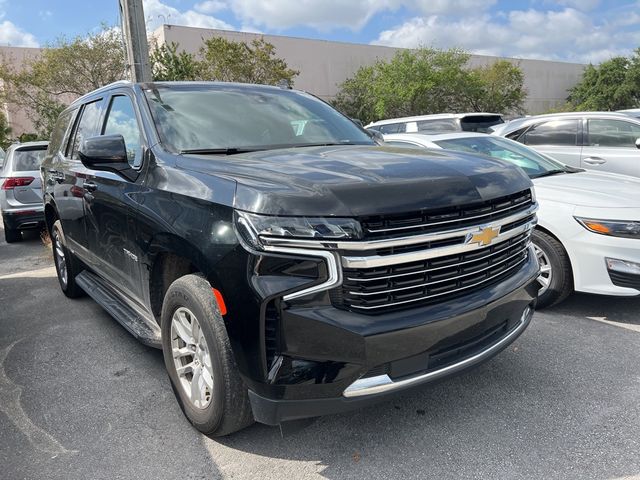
{"points": [[588, 233]]}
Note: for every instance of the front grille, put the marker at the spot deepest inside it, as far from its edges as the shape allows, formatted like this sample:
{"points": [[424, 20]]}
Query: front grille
{"points": [[406, 285], [428, 221], [270, 334], [622, 279]]}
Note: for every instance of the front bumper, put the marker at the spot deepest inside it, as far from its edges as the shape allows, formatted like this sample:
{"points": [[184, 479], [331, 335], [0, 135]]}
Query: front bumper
{"points": [[23, 219], [334, 361]]}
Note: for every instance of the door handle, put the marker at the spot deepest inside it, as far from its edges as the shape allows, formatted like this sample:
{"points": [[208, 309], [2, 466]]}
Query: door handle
{"points": [[90, 186], [594, 160]]}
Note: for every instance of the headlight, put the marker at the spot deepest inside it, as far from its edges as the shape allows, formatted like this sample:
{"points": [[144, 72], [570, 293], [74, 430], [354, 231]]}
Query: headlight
{"points": [[613, 228], [307, 228]]}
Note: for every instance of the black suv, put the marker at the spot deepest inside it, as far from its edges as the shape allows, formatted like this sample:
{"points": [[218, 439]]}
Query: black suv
{"points": [[287, 266]]}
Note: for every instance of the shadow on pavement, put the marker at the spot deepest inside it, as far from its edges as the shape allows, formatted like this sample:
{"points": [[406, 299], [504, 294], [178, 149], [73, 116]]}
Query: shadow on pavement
{"points": [[615, 309]]}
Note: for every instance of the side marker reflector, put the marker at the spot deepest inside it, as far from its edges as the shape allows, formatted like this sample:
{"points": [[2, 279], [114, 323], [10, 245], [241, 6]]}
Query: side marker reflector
{"points": [[220, 301]]}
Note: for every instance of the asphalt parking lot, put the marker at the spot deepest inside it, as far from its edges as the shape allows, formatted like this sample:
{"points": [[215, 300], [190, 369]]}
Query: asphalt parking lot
{"points": [[81, 399]]}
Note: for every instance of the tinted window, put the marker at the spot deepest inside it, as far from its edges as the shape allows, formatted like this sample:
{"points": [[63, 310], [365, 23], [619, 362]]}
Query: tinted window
{"points": [[25, 160], [612, 133], [122, 119], [439, 125], [392, 128], [59, 130], [555, 132], [86, 127], [227, 116], [480, 123]]}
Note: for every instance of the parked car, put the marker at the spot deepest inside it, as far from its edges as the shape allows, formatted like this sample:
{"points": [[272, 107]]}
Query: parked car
{"points": [[604, 141], [438, 123], [634, 112], [287, 266], [588, 233], [2, 154], [21, 192]]}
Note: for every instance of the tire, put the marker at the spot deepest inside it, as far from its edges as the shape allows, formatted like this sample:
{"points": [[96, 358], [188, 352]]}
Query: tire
{"points": [[555, 267], [221, 405], [67, 266], [11, 235]]}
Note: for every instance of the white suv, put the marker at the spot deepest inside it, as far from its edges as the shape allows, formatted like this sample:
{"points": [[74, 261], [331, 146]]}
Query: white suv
{"points": [[438, 123]]}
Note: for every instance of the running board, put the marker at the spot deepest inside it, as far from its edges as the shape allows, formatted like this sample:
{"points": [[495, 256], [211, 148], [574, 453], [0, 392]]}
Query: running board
{"points": [[146, 330]]}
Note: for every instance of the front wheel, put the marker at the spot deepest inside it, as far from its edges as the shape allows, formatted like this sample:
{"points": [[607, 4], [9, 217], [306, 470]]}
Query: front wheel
{"points": [[199, 359], [555, 278], [67, 266]]}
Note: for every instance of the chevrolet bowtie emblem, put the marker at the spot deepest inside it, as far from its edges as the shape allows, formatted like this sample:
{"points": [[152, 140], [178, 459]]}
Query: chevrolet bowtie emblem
{"points": [[486, 236]]}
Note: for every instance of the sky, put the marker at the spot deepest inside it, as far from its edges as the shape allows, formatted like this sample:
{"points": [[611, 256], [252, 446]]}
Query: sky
{"points": [[583, 31]]}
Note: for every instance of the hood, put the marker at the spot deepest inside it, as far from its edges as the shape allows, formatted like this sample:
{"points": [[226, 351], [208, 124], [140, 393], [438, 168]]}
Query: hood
{"points": [[590, 189], [357, 180]]}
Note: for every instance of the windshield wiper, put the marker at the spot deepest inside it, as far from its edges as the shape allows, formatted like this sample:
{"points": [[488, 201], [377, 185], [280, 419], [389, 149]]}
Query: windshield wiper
{"points": [[219, 151], [328, 144], [548, 173]]}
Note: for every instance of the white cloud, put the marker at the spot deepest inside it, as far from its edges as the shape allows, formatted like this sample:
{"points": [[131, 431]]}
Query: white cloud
{"points": [[568, 35], [210, 6], [157, 13], [11, 34]]}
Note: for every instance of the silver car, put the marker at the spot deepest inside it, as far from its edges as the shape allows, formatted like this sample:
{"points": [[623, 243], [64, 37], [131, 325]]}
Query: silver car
{"points": [[20, 191], [604, 141]]}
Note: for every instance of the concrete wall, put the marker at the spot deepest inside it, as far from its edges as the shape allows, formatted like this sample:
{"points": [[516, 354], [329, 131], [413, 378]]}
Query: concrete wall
{"points": [[324, 65]]}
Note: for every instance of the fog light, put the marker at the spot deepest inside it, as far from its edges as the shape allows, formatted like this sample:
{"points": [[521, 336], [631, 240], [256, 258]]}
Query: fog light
{"points": [[623, 266]]}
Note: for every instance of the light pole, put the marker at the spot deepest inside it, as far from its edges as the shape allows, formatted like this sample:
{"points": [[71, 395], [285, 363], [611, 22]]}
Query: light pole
{"points": [[135, 35]]}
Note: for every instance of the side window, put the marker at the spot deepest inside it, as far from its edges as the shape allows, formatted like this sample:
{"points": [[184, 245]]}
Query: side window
{"points": [[59, 131], [392, 128], [439, 125], [612, 133], [121, 118], [86, 127], [555, 132]]}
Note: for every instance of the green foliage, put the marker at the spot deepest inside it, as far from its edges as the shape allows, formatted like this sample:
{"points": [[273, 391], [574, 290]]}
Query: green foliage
{"points": [[5, 132], [612, 85], [168, 64], [66, 70], [427, 80], [229, 61]]}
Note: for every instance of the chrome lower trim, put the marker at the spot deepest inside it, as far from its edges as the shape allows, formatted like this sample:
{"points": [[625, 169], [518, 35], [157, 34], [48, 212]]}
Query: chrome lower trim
{"points": [[394, 259], [384, 383]]}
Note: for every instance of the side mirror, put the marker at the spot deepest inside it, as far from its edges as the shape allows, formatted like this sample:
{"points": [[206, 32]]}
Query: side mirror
{"points": [[106, 153], [637, 142], [375, 135]]}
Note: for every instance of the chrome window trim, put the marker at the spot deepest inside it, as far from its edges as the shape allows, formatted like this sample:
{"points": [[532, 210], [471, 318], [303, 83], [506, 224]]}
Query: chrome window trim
{"points": [[384, 383]]}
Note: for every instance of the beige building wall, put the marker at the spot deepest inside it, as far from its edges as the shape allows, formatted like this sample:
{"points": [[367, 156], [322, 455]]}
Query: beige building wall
{"points": [[324, 65], [16, 116]]}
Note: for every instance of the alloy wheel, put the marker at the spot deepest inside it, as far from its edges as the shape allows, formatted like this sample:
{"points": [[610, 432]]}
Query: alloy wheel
{"points": [[546, 272], [191, 358], [60, 259]]}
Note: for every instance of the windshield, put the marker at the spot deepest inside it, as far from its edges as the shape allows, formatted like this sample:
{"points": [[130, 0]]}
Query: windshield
{"points": [[529, 160], [28, 159], [235, 118]]}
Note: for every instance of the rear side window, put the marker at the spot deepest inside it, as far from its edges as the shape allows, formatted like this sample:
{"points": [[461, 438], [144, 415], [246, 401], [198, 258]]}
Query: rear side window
{"points": [[480, 123], [555, 132], [612, 133], [392, 128], [59, 130], [86, 128], [25, 160], [439, 125]]}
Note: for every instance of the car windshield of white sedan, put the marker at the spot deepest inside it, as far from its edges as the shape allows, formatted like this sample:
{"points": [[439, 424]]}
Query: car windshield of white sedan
{"points": [[228, 119], [530, 161]]}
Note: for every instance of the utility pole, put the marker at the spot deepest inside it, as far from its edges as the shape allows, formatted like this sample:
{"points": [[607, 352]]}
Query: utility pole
{"points": [[135, 35]]}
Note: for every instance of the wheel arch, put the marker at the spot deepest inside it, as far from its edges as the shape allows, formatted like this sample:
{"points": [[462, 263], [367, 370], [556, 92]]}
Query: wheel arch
{"points": [[546, 230]]}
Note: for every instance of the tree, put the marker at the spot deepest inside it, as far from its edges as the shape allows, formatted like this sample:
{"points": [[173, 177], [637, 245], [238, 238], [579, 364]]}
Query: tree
{"points": [[229, 61], [5, 132], [427, 80], [167, 64], [62, 72], [612, 85]]}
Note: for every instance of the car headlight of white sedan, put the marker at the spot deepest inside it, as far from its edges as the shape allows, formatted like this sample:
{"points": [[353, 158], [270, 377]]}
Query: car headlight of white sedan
{"points": [[613, 228]]}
